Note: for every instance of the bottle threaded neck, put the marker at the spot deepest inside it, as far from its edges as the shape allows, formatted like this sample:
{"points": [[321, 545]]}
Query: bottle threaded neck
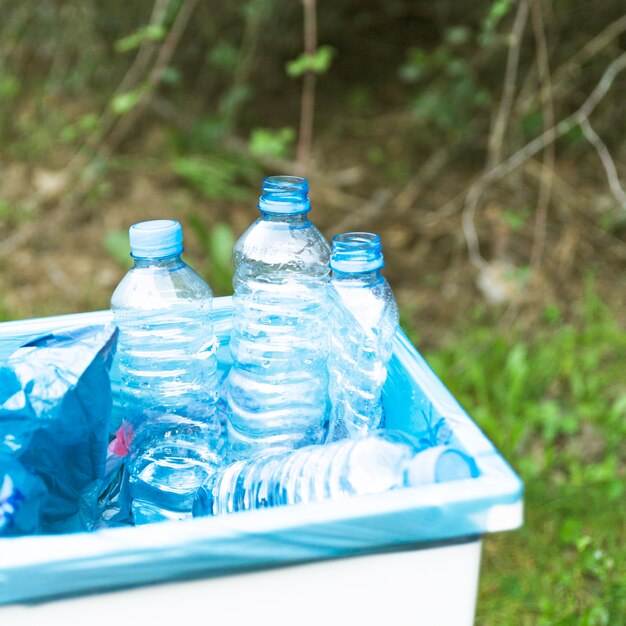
{"points": [[284, 195], [356, 253]]}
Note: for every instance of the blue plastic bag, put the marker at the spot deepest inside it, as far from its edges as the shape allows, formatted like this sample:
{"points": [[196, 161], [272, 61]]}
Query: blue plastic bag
{"points": [[55, 412]]}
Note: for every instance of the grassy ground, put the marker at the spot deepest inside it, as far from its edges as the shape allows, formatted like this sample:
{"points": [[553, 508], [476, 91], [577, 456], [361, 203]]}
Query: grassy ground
{"points": [[554, 403]]}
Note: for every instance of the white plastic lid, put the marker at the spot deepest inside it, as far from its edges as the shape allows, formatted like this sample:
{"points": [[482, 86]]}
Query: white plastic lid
{"points": [[156, 239], [439, 464]]}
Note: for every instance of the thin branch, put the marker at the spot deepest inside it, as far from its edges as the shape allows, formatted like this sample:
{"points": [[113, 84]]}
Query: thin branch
{"points": [[591, 48], [607, 161], [247, 53], [496, 137], [545, 185], [146, 49], [131, 78], [307, 110], [531, 149], [564, 126], [405, 199], [125, 123]]}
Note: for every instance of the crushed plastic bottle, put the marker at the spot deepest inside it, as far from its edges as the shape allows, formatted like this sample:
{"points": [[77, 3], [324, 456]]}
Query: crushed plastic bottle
{"points": [[276, 392], [168, 368], [363, 323], [385, 459]]}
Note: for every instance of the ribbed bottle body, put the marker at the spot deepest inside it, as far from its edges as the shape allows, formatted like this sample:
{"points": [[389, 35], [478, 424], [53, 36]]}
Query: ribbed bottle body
{"points": [[314, 473], [169, 385], [363, 322], [276, 392]]}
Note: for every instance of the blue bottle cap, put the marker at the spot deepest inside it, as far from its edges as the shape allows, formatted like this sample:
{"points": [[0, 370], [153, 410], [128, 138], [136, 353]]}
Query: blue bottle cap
{"points": [[285, 195], [356, 252], [156, 239]]}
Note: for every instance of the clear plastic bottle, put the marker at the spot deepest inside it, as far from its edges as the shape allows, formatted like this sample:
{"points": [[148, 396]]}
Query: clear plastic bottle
{"points": [[168, 368], [381, 461], [364, 320], [276, 392]]}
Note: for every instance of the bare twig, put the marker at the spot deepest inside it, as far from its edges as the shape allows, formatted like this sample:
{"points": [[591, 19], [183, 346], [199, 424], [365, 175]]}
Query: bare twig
{"points": [[146, 49], [247, 52], [18, 22], [498, 131], [607, 161], [427, 172], [571, 67], [545, 185], [307, 111], [591, 48], [496, 137], [469, 230], [125, 123], [137, 69], [531, 149], [564, 126]]}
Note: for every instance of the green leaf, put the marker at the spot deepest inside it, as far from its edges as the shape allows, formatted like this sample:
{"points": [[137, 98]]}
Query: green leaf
{"points": [[498, 10], [170, 76], [5, 209], [457, 35], [234, 97], [221, 241], [415, 67], [514, 219], [150, 32], [122, 103], [216, 176], [271, 143], [224, 56], [318, 62], [117, 245], [9, 86]]}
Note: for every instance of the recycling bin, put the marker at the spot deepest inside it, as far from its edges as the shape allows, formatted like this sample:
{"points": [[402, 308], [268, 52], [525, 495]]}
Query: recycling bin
{"points": [[406, 556]]}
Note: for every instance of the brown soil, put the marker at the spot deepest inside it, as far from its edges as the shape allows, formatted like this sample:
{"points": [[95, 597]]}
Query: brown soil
{"points": [[64, 267]]}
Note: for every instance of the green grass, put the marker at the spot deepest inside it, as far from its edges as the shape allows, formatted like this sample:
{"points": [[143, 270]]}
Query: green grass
{"points": [[554, 403]]}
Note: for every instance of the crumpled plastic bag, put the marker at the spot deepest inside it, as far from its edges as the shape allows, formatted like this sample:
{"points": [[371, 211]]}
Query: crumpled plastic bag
{"points": [[21, 497], [55, 412]]}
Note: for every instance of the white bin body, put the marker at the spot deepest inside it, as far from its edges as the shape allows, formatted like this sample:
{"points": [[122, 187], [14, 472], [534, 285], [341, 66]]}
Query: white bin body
{"points": [[423, 587]]}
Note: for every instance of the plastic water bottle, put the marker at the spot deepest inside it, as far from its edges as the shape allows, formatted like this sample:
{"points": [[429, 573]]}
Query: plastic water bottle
{"points": [[276, 392], [363, 323], [168, 368], [381, 461]]}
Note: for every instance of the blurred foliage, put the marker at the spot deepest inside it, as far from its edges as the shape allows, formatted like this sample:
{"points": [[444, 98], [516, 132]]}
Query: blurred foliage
{"points": [[150, 32], [448, 92], [117, 245], [444, 60], [317, 62], [217, 176], [265, 142], [217, 244]]}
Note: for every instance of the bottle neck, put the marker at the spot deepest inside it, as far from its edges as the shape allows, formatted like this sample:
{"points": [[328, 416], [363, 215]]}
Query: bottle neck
{"points": [[361, 278], [295, 219], [168, 263], [283, 196]]}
